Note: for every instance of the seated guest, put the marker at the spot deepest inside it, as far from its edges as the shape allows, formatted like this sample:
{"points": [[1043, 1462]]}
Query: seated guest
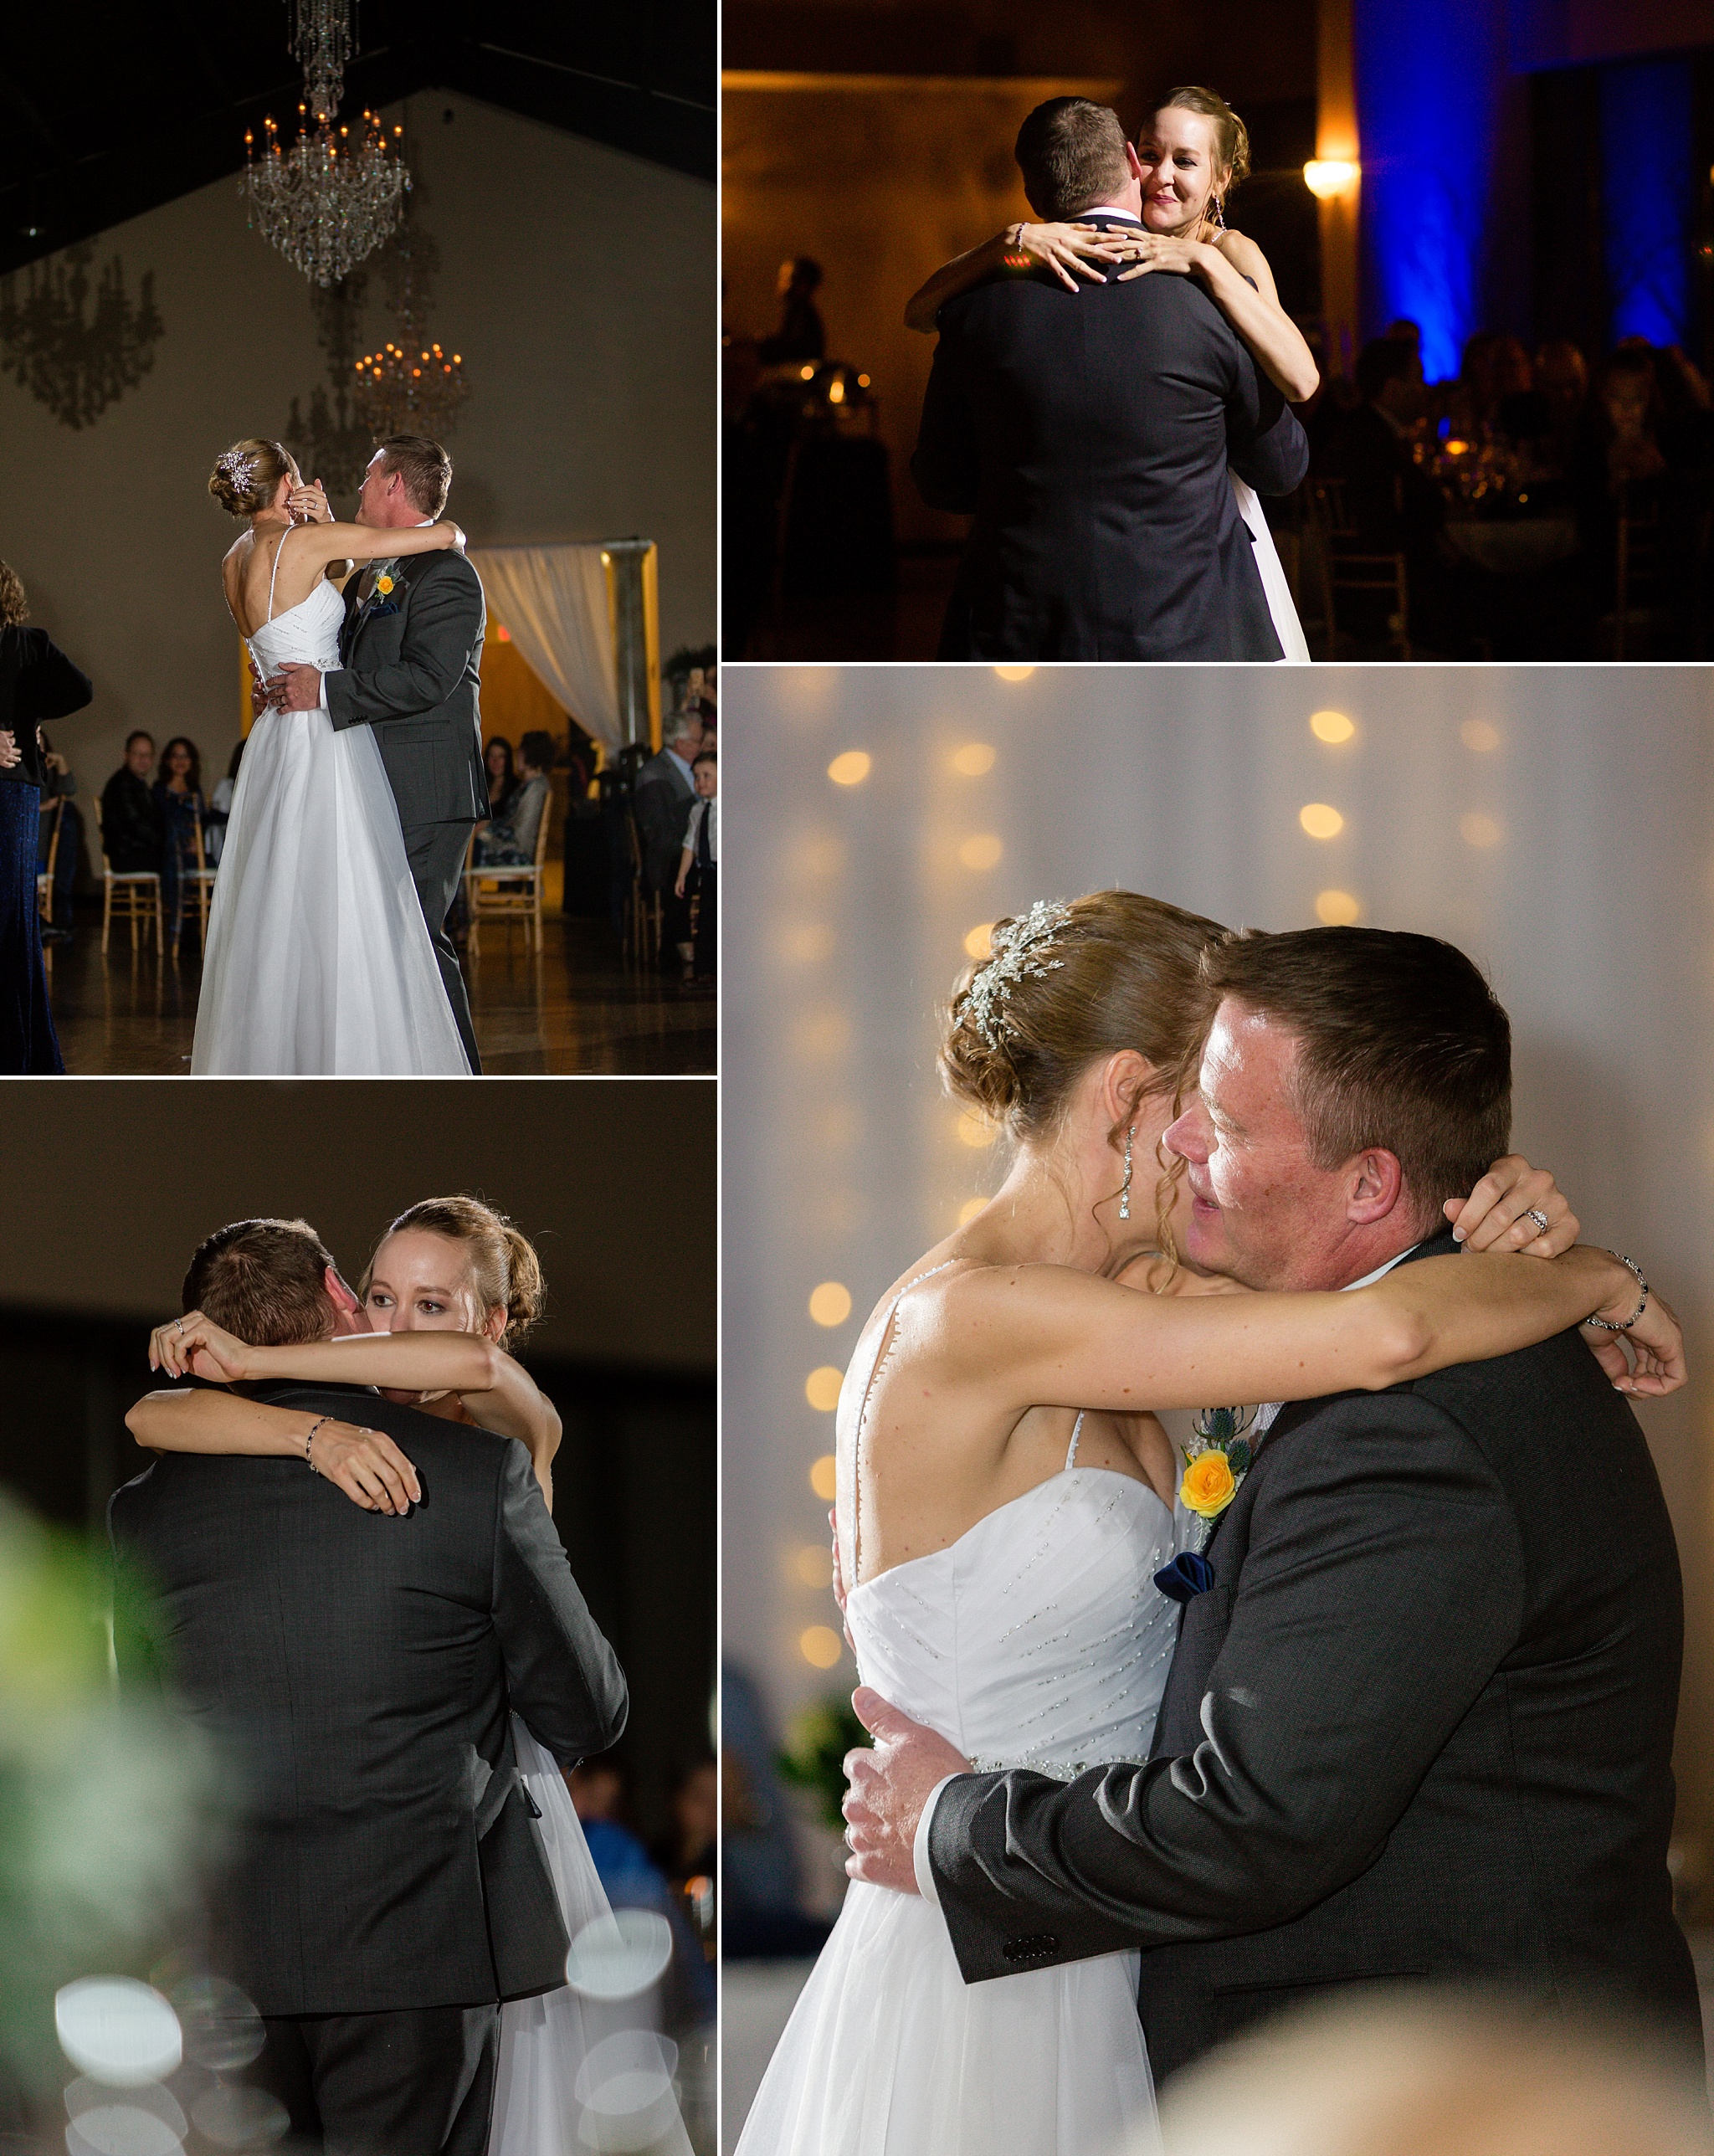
{"points": [[178, 793], [1562, 381], [220, 807], [506, 840], [132, 827], [57, 787], [36, 681], [1395, 504], [502, 778], [800, 335], [666, 792], [699, 858]]}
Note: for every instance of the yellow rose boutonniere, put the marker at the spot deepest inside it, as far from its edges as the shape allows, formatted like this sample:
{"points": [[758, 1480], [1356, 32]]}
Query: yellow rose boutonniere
{"points": [[1209, 1486], [383, 585]]}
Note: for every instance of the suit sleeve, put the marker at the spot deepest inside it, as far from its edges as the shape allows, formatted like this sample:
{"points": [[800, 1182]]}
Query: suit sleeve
{"points": [[442, 627], [1265, 445], [944, 463], [1383, 1586], [562, 1675]]}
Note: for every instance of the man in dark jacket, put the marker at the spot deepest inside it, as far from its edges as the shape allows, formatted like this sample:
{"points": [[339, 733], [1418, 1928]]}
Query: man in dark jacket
{"points": [[1090, 434], [132, 836], [358, 1671]]}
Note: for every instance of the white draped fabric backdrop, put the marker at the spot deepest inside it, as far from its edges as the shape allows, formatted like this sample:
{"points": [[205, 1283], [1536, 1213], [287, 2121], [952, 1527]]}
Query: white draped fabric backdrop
{"points": [[553, 599]]}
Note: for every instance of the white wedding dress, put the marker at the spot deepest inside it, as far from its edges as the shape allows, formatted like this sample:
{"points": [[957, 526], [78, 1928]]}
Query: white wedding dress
{"points": [[1037, 1639], [1293, 643], [318, 959], [579, 2072]]}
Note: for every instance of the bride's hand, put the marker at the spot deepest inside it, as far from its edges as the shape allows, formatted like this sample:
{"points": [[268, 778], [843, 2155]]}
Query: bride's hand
{"points": [[310, 504], [1657, 1364], [1495, 1215], [1067, 249], [197, 1345], [1159, 250], [10, 753], [366, 1465]]}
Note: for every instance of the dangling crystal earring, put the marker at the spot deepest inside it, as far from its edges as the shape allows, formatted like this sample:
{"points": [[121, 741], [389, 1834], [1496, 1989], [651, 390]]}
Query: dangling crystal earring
{"points": [[1124, 1194], [1218, 215]]}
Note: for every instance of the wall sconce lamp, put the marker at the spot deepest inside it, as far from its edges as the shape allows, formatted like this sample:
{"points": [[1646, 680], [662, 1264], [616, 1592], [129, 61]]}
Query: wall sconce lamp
{"points": [[1328, 177]]}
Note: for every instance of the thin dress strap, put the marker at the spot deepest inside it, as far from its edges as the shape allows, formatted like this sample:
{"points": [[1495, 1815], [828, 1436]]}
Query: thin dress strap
{"points": [[1076, 1432], [863, 1413], [278, 551]]}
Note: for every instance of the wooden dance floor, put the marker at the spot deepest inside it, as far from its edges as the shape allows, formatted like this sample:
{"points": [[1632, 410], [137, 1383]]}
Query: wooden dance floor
{"points": [[573, 1007]]}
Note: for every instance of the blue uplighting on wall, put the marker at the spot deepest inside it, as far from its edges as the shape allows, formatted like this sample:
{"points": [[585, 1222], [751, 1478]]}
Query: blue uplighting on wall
{"points": [[1648, 178], [1427, 81]]}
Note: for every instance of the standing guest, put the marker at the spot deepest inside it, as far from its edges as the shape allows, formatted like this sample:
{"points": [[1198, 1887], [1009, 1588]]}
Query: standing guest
{"points": [[700, 857], [178, 793], [506, 838], [36, 681], [800, 335], [132, 829], [220, 806], [665, 795]]}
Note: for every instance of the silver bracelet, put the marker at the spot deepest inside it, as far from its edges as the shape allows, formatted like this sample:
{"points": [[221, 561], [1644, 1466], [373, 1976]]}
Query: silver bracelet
{"points": [[1607, 1324], [314, 1427]]}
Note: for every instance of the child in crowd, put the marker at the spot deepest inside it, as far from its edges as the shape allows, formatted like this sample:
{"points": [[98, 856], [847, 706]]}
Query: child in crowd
{"points": [[701, 852]]}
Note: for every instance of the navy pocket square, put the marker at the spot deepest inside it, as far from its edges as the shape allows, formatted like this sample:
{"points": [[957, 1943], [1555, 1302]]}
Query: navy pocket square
{"points": [[382, 606], [1188, 1575]]}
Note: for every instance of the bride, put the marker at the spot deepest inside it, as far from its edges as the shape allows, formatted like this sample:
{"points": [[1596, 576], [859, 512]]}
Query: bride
{"points": [[1004, 1500], [318, 958], [1189, 156], [452, 1286]]}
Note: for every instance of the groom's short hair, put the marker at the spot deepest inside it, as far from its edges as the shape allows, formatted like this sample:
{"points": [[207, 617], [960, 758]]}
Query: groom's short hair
{"points": [[1071, 153], [425, 468], [1403, 1046], [264, 1281]]}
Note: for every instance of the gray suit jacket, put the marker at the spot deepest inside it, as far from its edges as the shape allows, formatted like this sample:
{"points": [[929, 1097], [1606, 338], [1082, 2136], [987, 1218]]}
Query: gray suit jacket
{"points": [[356, 1670], [1420, 1727], [663, 800], [414, 674]]}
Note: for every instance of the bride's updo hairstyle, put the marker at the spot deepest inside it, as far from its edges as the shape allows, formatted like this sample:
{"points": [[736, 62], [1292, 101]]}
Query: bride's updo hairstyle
{"points": [[1067, 985], [247, 476], [1231, 136], [505, 1272]]}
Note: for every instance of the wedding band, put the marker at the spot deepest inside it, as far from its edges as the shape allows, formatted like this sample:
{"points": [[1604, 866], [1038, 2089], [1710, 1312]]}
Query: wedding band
{"points": [[178, 1326], [1539, 1217]]}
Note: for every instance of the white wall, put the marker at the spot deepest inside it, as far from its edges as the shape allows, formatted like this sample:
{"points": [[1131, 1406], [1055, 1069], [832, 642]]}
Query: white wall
{"points": [[846, 910], [578, 284]]}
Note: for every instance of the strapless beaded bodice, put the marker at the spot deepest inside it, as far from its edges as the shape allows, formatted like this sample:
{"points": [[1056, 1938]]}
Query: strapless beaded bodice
{"points": [[1038, 1639], [305, 635]]}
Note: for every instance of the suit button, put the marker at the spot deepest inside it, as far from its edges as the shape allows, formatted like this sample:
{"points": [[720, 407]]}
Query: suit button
{"points": [[1036, 1948]]}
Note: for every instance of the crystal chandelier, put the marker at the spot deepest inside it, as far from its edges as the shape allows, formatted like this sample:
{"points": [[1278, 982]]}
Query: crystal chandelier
{"points": [[412, 385], [330, 200], [78, 364]]}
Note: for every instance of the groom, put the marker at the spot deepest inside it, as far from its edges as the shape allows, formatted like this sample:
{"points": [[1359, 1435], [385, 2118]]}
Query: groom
{"points": [[1089, 434], [387, 1886], [411, 652], [1420, 1727]]}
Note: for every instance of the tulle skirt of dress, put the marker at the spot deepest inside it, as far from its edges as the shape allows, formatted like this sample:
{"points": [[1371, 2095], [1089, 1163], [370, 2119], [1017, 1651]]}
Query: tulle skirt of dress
{"points": [[319, 959], [889, 2052], [541, 2094]]}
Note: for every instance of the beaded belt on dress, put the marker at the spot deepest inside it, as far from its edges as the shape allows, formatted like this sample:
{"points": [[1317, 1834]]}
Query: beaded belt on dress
{"points": [[1057, 1770]]}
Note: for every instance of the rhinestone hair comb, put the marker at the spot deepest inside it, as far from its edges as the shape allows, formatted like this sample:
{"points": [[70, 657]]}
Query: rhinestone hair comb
{"points": [[1015, 954]]}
